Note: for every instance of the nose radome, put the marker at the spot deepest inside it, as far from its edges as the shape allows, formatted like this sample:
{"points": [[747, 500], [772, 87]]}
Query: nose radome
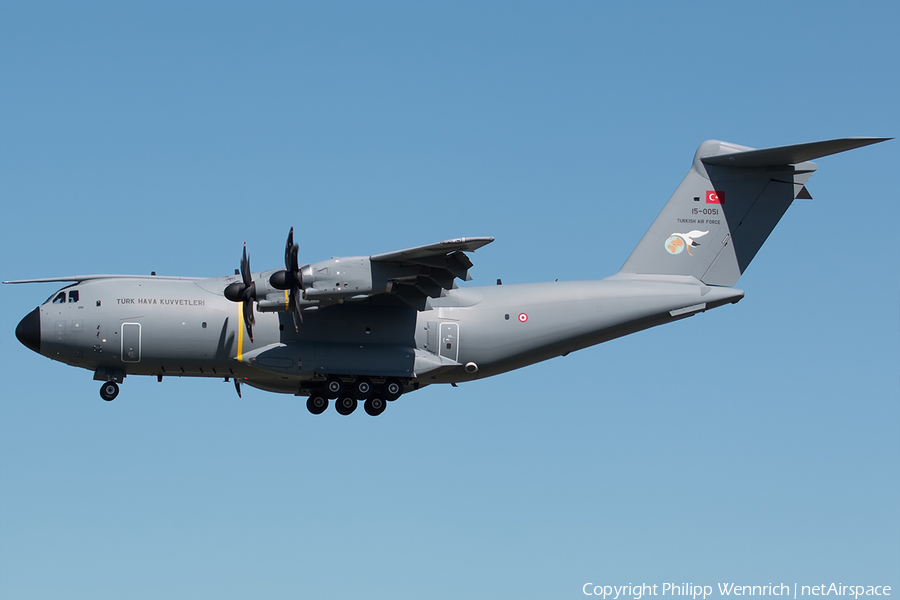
{"points": [[29, 330]]}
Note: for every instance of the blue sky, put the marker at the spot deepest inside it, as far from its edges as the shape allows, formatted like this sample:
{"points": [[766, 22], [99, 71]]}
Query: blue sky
{"points": [[138, 137]]}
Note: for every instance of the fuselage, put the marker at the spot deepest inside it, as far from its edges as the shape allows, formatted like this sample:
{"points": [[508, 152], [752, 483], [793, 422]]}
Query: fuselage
{"points": [[186, 327], [373, 327]]}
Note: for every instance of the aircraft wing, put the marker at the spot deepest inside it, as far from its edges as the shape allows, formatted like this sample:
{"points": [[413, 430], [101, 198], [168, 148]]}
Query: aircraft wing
{"points": [[81, 278], [408, 276], [430, 251], [416, 274]]}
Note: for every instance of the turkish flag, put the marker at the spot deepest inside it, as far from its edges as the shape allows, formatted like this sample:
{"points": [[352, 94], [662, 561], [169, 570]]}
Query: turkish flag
{"points": [[714, 197]]}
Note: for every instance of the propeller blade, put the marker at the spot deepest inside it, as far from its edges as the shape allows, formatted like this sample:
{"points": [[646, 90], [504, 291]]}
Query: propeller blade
{"points": [[237, 386], [291, 250], [249, 319], [288, 249], [290, 279], [244, 291], [245, 268], [297, 305], [241, 290], [294, 307], [294, 267]]}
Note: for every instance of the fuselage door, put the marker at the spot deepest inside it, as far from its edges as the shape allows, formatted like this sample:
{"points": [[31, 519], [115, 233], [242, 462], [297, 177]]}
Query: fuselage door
{"points": [[450, 341], [131, 342]]}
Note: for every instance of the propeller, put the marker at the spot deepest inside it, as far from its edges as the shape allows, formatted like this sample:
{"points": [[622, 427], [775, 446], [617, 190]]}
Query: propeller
{"points": [[244, 291], [290, 278]]}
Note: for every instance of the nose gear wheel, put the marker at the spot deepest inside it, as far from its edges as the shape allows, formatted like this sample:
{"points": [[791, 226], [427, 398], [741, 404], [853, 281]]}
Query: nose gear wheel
{"points": [[109, 390]]}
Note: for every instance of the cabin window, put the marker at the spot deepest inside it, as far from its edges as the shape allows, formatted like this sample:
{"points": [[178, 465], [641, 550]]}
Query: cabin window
{"points": [[60, 298], [73, 296]]}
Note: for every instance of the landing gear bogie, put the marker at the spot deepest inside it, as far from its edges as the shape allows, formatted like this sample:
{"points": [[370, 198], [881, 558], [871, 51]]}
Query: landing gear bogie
{"points": [[348, 392]]}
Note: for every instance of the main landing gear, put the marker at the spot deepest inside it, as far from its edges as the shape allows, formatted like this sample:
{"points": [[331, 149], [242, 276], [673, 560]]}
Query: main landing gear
{"points": [[317, 403], [375, 406], [346, 405], [109, 390], [348, 395]]}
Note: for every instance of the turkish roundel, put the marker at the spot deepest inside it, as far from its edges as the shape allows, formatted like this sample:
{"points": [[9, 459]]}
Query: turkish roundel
{"points": [[714, 197]]}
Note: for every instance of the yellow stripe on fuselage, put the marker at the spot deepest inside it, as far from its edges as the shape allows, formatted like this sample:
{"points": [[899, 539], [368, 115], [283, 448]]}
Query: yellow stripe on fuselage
{"points": [[240, 351]]}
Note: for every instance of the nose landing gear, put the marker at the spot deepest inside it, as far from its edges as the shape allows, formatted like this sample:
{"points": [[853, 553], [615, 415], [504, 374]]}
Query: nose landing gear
{"points": [[109, 390]]}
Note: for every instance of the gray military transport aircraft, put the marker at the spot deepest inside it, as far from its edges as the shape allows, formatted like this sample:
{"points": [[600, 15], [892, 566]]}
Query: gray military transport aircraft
{"points": [[373, 327]]}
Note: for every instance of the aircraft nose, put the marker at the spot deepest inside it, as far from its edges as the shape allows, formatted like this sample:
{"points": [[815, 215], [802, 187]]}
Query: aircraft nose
{"points": [[29, 330]]}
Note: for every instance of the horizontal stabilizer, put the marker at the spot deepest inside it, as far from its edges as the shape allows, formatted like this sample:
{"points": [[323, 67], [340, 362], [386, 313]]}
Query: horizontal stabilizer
{"points": [[788, 155]]}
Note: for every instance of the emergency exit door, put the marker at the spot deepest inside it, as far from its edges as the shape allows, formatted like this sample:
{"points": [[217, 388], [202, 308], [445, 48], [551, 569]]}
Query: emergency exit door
{"points": [[131, 342], [449, 336]]}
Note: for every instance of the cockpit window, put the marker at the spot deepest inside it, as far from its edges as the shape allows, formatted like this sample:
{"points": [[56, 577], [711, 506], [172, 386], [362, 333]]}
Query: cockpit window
{"points": [[73, 296], [60, 298]]}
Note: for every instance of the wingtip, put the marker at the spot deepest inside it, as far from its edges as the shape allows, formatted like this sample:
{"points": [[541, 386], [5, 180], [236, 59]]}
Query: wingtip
{"points": [[871, 140]]}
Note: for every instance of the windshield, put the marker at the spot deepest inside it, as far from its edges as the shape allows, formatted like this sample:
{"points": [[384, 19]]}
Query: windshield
{"points": [[60, 297]]}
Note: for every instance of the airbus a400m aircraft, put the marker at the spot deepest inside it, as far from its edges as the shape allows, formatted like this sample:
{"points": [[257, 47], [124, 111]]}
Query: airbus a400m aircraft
{"points": [[370, 328]]}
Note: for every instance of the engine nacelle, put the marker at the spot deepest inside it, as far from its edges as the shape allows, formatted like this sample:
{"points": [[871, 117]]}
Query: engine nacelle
{"points": [[260, 287], [339, 278]]}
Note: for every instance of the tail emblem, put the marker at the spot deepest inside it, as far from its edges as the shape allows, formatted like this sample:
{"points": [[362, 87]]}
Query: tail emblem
{"points": [[677, 242]]}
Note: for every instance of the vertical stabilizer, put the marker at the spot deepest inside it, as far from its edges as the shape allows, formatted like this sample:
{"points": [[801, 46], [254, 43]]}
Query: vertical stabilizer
{"points": [[726, 206]]}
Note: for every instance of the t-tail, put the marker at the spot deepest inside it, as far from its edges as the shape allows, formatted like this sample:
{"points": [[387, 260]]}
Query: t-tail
{"points": [[726, 206]]}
